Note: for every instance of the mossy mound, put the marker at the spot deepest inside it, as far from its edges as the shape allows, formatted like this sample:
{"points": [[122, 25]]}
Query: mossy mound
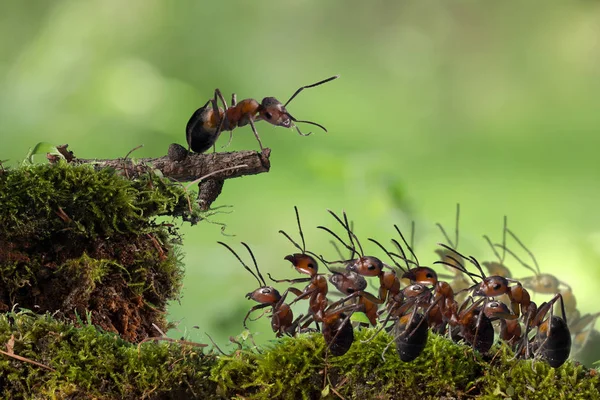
{"points": [[85, 363], [73, 239], [294, 368]]}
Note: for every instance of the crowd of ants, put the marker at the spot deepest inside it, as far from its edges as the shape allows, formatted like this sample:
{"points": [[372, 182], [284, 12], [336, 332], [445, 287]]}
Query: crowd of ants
{"points": [[412, 299]]}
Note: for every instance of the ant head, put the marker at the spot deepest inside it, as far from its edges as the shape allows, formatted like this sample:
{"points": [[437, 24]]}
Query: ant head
{"points": [[265, 295], [348, 282], [414, 290], [303, 263], [422, 275], [366, 266], [272, 111], [492, 286], [497, 310]]}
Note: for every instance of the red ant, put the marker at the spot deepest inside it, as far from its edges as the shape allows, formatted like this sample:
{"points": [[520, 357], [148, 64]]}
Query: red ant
{"points": [[207, 122], [494, 286], [365, 265], [353, 285], [305, 263], [552, 341], [282, 316]]}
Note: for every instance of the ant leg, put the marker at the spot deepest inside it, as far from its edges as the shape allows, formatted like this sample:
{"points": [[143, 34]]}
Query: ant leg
{"points": [[233, 100], [220, 96], [256, 307], [256, 134], [297, 280]]}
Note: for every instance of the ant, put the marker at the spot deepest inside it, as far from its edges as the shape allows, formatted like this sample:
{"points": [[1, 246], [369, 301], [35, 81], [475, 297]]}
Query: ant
{"points": [[459, 281], [544, 283], [473, 325], [282, 316], [365, 265], [305, 263], [353, 285], [206, 124], [552, 341], [494, 286]]}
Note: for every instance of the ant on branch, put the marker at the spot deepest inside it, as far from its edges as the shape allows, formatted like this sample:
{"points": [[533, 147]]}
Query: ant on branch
{"points": [[206, 124]]}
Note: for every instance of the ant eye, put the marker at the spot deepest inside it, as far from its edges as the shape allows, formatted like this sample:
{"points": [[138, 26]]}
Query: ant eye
{"points": [[429, 275], [311, 266], [496, 286], [350, 290], [371, 267], [268, 115]]}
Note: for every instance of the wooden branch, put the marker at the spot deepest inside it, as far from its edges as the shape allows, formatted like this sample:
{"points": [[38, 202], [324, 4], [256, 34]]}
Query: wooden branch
{"points": [[182, 166]]}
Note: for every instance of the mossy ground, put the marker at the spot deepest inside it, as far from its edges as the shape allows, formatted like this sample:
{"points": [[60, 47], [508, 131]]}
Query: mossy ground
{"points": [[91, 364], [73, 240], [88, 363], [296, 369]]}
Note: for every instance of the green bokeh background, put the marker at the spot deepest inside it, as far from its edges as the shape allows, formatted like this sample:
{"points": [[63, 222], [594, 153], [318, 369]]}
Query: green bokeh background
{"points": [[493, 105]]}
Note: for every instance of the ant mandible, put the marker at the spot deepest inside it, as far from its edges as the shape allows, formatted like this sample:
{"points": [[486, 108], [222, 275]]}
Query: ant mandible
{"points": [[206, 124]]}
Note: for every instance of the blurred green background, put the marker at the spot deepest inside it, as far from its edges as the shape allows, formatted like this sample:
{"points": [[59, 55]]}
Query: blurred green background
{"points": [[493, 106]]}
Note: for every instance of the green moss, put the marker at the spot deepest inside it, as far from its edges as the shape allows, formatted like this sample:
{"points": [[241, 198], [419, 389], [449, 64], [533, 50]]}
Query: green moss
{"points": [[88, 363], [75, 239], [95, 203], [294, 368]]}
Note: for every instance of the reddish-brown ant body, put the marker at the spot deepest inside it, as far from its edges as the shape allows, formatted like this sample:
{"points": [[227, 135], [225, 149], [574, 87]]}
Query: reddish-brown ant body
{"points": [[353, 285], [552, 341], [207, 122], [282, 316], [305, 263], [365, 265]]}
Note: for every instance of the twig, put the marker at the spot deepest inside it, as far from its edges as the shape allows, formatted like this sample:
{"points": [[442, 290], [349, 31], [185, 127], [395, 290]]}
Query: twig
{"points": [[17, 357]]}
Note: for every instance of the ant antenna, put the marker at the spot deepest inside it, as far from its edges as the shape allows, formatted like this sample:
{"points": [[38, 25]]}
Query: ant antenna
{"points": [[338, 238], [529, 267], [304, 121], [454, 244], [254, 261], [403, 255], [503, 247], [526, 250], [494, 248], [303, 248], [412, 234], [261, 282], [309, 86], [390, 255], [406, 243], [349, 227], [504, 237], [471, 259]]}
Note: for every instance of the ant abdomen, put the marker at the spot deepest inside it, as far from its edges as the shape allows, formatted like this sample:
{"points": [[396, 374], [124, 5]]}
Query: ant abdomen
{"points": [[339, 335], [411, 336], [201, 132], [553, 344]]}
